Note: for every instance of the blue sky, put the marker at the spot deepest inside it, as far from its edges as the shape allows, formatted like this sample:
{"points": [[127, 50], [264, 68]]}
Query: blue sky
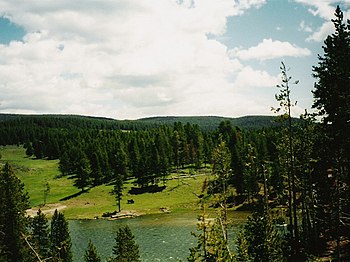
{"points": [[128, 59]]}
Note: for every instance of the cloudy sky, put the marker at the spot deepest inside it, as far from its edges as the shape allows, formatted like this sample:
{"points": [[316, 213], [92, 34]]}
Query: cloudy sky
{"points": [[128, 59]]}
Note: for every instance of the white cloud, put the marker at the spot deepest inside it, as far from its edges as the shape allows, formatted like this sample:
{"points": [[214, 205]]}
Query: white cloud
{"points": [[304, 27], [248, 77], [320, 35], [325, 10], [123, 59], [270, 49]]}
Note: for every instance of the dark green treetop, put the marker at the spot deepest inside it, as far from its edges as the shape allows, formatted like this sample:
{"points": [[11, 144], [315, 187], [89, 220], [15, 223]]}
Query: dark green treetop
{"points": [[13, 222], [60, 238], [126, 249], [91, 254], [40, 236]]}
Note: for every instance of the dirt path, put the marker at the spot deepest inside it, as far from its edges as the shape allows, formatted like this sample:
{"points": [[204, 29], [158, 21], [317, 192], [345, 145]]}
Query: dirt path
{"points": [[48, 209]]}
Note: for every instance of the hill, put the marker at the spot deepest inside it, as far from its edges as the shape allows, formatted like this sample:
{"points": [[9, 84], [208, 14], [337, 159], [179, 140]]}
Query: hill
{"points": [[212, 122], [205, 122]]}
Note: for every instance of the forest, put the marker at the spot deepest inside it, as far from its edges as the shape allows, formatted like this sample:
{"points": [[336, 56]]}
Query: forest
{"points": [[286, 171]]}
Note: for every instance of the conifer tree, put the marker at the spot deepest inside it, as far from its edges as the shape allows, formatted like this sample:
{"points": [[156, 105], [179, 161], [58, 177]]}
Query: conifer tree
{"points": [[260, 241], [332, 99], [83, 172], [126, 249], [91, 254], [118, 190], [13, 222], [60, 238], [286, 104], [251, 178], [212, 237], [40, 236]]}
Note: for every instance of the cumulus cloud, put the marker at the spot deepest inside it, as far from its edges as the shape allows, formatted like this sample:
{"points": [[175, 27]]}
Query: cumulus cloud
{"points": [[125, 55], [325, 10], [270, 49], [124, 59], [248, 77]]}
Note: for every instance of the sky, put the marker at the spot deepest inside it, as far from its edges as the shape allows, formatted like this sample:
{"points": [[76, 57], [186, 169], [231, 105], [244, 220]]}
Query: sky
{"points": [[128, 59]]}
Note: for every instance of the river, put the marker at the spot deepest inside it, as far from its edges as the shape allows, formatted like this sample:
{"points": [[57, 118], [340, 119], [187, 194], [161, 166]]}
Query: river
{"points": [[161, 237]]}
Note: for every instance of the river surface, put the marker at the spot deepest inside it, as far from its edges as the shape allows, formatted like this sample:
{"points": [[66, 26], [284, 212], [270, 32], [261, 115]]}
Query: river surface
{"points": [[161, 237]]}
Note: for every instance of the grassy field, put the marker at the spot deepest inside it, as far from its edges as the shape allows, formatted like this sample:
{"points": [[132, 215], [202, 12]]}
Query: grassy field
{"points": [[35, 173], [179, 195]]}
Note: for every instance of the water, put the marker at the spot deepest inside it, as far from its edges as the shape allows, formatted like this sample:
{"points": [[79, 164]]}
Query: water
{"points": [[161, 237]]}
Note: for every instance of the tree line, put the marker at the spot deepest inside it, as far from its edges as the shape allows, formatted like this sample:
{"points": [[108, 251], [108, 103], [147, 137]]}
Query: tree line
{"points": [[94, 153]]}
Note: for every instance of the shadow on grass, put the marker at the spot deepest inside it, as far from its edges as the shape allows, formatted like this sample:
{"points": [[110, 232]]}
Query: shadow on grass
{"points": [[74, 195]]}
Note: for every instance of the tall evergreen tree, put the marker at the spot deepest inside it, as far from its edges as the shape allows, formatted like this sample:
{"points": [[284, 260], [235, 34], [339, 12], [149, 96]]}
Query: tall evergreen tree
{"points": [[332, 99], [60, 238], [126, 249], [91, 254], [83, 172], [118, 190], [260, 241], [251, 179], [212, 235], [286, 104], [13, 222], [40, 236]]}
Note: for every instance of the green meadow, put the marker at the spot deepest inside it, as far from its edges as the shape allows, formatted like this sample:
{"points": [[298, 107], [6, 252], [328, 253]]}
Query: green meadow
{"points": [[179, 196]]}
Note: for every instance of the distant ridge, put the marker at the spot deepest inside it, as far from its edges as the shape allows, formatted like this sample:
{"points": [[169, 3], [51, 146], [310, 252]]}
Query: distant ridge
{"points": [[205, 122], [212, 122]]}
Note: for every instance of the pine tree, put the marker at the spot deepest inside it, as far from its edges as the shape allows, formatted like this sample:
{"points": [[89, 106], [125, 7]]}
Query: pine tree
{"points": [[13, 222], [91, 254], [211, 243], [260, 241], [83, 172], [29, 149], [332, 96], [118, 190], [40, 237], [60, 238], [332, 99], [242, 252], [250, 180], [212, 237], [126, 249], [287, 136]]}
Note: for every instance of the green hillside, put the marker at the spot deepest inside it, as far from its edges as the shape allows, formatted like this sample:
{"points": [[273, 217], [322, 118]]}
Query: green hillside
{"points": [[205, 122], [212, 122]]}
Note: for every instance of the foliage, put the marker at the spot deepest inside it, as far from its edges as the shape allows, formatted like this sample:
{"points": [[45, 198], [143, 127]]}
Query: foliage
{"points": [[259, 240], [40, 236], [118, 191], [60, 238], [287, 138], [13, 222], [212, 237], [91, 254], [211, 243], [332, 100], [126, 249]]}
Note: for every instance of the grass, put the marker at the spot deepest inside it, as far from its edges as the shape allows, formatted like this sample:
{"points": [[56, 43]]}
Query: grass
{"points": [[179, 195], [35, 173]]}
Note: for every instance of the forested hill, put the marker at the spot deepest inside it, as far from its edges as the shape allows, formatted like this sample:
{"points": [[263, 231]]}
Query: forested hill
{"points": [[205, 122], [212, 122]]}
